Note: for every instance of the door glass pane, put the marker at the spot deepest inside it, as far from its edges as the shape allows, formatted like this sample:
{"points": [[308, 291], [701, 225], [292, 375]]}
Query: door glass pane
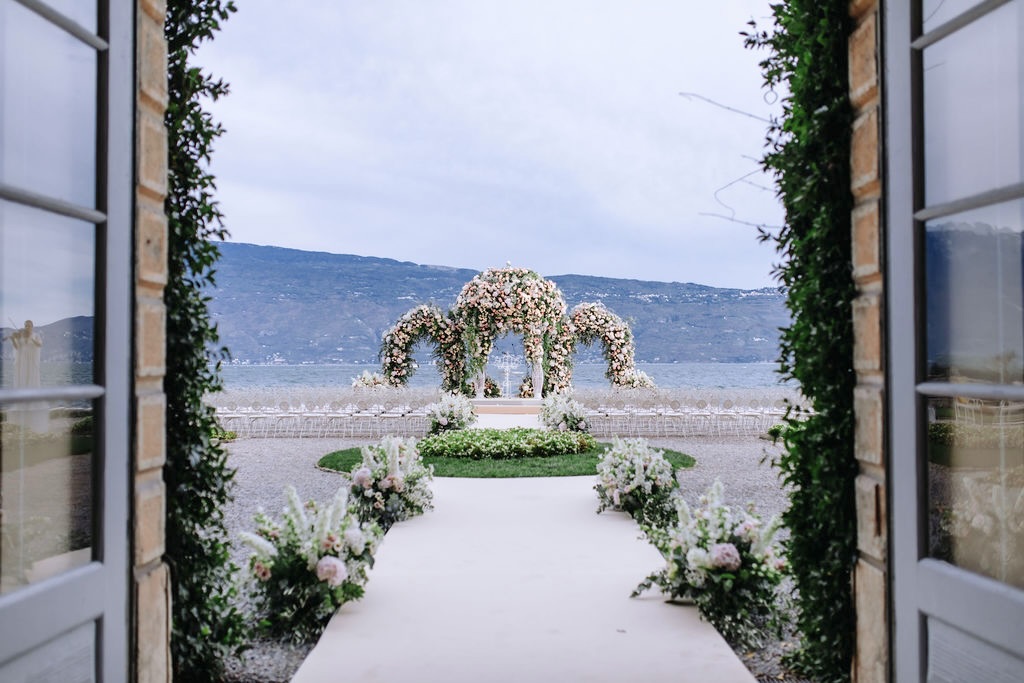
{"points": [[974, 292], [81, 11], [976, 486], [47, 281], [47, 125], [972, 102], [46, 501], [935, 13]]}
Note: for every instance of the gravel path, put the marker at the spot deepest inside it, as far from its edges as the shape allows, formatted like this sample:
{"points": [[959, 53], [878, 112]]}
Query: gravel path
{"points": [[266, 466]]}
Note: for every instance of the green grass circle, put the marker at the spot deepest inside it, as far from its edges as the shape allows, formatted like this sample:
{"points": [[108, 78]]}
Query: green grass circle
{"points": [[566, 465]]}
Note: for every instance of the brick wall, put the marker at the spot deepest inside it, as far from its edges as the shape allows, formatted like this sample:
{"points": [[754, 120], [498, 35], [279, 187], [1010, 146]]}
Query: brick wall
{"points": [[871, 663], [151, 656]]}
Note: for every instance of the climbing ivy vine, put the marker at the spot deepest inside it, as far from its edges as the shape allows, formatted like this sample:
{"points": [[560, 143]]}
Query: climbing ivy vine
{"points": [[206, 627], [808, 150]]}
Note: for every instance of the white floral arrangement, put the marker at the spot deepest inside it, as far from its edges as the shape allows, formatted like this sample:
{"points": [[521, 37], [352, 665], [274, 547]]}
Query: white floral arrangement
{"points": [[452, 411], [310, 564], [369, 380], [637, 479], [563, 413], [638, 379], [392, 483], [983, 528], [725, 561]]}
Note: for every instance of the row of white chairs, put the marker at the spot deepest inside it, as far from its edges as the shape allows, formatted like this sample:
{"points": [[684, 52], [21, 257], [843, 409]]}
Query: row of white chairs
{"points": [[337, 418], [696, 417], [319, 413]]}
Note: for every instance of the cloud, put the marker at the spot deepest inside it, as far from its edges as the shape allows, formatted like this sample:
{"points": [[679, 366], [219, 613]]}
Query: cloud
{"points": [[469, 133]]}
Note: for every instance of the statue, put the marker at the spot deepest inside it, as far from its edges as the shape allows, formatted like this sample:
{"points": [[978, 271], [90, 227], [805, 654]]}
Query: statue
{"points": [[27, 350], [28, 347]]}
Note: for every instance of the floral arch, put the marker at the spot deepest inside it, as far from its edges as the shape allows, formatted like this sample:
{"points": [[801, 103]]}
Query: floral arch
{"points": [[594, 322], [510, 301], [429, 323]]}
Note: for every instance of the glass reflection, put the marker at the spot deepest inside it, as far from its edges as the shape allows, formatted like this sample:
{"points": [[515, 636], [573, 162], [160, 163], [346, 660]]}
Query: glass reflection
{"points": [[976, 486], [935, 13], [46, 298], [45, 491], [974, 279], [972, 96], [47, 125], [81, 11]]}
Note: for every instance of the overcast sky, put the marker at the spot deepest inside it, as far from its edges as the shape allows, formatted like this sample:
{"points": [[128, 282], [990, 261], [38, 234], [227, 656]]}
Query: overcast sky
{"points": [[470, 133]]}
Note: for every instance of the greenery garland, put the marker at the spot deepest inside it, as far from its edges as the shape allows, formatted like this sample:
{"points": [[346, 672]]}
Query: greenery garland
{"points": [[808, 152], [205, 627]]}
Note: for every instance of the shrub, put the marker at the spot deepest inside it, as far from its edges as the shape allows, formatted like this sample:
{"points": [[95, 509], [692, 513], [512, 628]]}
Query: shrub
{"points": [[724, 561], [563, 413], [308, 566], [809, 155], [391, 484], [637, 479], [520, 442], [453, 411], [83, 426]]}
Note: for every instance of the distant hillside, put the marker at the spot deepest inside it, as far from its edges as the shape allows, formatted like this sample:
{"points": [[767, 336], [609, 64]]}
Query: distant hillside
{"points": [[300, 306], [67, 340]]}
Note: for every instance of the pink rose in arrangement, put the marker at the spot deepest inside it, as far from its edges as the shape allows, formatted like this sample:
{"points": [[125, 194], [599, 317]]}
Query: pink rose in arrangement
{"points": [[363, 477], [332, 570], [725, 556], [261, 571]]}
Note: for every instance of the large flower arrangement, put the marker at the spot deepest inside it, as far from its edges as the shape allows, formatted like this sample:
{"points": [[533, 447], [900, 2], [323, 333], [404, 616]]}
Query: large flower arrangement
{"points": [[310, 564], [452, 411], [563, 413], [592, 322], [424, 322], [637, 479], [726, 562], [504, 300], [392, 484]]}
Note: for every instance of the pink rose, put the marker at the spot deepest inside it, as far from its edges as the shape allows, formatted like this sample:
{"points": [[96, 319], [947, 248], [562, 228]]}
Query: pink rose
{"points": [[332, 570], [363, 477], [725, 556]]}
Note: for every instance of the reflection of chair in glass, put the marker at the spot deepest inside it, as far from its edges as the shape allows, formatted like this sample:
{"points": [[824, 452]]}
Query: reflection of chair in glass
{"points": [[968, 410], [1011, 413]]}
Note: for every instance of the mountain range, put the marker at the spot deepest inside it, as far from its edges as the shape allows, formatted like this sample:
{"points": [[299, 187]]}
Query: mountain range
{"points": [[273, 304]]}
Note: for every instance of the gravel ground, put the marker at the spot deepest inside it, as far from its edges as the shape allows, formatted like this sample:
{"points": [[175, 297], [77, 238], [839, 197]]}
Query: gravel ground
{"points": [[266, 466]]}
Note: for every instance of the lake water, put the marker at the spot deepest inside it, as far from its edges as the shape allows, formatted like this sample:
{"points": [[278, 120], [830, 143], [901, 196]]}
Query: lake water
{"points": [[665, 375]]}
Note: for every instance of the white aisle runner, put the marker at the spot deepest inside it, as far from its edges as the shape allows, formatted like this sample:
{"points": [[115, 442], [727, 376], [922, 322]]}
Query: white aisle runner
{"points": [[516, 580]]}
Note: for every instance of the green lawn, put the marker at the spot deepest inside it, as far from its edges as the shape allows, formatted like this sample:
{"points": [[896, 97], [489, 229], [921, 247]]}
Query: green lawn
{"points": [[569, 465]]}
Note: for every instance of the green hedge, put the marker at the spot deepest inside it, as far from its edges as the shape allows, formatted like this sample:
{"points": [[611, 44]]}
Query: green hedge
{"points": [[501, 444], [808, 152], [205, 628]]}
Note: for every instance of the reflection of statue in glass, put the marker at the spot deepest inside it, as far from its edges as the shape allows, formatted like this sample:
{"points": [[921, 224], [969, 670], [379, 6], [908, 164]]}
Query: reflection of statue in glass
{"points": [[28, 346], [27, 350]]}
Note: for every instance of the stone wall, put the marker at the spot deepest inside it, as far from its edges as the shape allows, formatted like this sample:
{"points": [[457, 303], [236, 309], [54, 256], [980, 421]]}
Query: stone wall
{"points": [[151, 604], [871, 663]]}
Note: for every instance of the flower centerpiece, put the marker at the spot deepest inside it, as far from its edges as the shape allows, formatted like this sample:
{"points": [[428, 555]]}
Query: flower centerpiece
{"points": [[637, 479], [391, 484], [562, 412], [725, 561], [310, 564], [453, 411], [369, 380]]}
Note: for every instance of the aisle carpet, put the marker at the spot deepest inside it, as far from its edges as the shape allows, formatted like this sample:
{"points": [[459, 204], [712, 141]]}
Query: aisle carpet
{"points": [[517, 580]]}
